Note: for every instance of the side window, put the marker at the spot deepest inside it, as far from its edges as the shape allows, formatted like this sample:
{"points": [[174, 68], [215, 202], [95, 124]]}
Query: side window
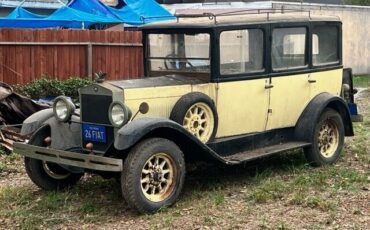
{"points": [[288, 48], [325, 44], [241, 51]]}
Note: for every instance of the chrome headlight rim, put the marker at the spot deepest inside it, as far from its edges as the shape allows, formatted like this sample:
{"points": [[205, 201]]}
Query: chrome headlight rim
{"points": [[70, 107], [126, 112]]}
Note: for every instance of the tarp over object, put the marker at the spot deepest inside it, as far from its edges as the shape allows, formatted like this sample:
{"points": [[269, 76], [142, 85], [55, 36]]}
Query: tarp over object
{"points": [[19, 12], [134, 12], [147, 11], [84, 13], [64, 17]]}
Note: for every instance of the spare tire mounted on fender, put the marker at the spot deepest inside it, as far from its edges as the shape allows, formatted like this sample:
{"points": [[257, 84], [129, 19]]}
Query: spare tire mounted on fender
{"points": [[197, 113]]}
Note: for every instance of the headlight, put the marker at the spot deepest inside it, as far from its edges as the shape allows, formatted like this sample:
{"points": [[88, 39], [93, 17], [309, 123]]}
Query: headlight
{"points": [[119, 114], [63, 108]]}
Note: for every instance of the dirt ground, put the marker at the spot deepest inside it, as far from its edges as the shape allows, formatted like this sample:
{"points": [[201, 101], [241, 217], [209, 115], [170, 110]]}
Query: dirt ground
{"points": [[279, 192]]}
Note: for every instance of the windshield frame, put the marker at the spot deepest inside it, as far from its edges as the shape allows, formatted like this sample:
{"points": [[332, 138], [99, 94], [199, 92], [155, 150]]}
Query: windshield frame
{"points": [[212, 47]]}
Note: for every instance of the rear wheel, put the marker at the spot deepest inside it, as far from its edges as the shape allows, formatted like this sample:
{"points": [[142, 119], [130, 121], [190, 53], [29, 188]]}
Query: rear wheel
{"points": [[153, 175], [327, 139]]}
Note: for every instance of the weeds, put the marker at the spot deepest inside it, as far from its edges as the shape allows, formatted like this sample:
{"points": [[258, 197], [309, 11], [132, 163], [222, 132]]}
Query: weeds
{"points": [[362, 81]]}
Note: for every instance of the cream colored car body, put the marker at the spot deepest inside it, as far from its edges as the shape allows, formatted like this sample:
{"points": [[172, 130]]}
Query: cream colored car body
{"points": [[243, 106]]}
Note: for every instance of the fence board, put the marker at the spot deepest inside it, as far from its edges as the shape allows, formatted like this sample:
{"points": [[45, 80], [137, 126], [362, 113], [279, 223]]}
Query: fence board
{"points": [[26, 55]]}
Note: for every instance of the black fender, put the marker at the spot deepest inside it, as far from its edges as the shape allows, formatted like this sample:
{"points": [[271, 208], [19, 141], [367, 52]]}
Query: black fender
{"points": [[64, 135], [35, 121], [143, 128], [311, 114]]}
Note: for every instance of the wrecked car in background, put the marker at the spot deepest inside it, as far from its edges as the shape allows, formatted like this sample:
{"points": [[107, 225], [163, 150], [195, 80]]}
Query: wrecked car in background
{"points": [[14, 109]]}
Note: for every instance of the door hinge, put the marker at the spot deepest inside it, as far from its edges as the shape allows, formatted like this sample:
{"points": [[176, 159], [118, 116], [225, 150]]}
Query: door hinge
{"points": [[269, 111]]}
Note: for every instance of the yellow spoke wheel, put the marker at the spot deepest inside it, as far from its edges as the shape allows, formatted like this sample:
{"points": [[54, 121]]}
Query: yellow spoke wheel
{"points": [[328, 139], [153, 175], [199, 121], [157, 177]]}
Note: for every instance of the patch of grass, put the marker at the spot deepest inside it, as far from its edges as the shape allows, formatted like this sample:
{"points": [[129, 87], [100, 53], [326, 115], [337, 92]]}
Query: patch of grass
{"points": [[362, 81], [10, 162], [87, 202], [298, 198], [320, 203], [283, 226], [269, 190], [217, 197]]}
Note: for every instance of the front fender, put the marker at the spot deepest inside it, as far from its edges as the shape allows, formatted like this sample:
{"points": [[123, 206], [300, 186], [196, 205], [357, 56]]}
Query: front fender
{"points": [[35, 121], [137, 130]]}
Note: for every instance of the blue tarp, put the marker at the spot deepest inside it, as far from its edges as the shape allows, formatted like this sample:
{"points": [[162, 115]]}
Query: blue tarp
{"points": [[84, 13], [19, 12], [134, 12], [147, 10]]}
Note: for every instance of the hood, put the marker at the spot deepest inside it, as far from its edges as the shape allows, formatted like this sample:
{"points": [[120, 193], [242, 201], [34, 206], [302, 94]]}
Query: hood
{"points": [[168, 80]]}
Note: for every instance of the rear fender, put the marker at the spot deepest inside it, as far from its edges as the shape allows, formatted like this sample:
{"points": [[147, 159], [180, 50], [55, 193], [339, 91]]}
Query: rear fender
{"points": [[311, 114]]}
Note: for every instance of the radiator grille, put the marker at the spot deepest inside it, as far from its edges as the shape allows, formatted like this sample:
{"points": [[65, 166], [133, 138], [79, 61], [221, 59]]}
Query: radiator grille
{"points": [[94, 109]]}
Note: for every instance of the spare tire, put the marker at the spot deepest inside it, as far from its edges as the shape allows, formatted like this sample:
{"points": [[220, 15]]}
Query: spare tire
{"points": [[197, 113]]}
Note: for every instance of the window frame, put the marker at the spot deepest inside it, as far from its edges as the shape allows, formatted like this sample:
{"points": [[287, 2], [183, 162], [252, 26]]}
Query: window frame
{"points": [[267, 27], [248, 75], [263, 54], [338, 26], [145, 41], [308, 47]]}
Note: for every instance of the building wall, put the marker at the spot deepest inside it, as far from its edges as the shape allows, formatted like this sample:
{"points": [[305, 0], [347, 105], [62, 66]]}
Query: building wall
{"points": [[356, 32]]}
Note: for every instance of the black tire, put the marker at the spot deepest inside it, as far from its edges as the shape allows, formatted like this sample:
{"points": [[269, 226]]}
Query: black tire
{"points": [[133, 173], [41, 174], [323, 150], [183, 105]]}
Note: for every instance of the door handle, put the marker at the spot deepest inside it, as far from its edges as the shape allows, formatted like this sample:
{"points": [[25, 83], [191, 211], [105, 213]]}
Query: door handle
{"points": [[311, 80], [269, 86]]}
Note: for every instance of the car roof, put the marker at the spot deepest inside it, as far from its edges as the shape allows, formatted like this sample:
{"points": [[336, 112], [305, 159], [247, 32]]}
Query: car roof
{"points": [[210, 20]]}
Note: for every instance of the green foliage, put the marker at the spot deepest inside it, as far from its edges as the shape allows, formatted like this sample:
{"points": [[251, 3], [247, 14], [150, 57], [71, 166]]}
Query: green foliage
{"points": [[362, 81], [52, 87], [358, 2]]}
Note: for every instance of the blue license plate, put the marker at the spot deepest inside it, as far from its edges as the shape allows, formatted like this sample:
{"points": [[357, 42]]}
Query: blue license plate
{"points": [[94, 133]]}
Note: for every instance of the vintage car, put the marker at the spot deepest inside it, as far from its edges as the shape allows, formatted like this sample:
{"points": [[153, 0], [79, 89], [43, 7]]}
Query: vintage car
{"points": [[219, 88]]}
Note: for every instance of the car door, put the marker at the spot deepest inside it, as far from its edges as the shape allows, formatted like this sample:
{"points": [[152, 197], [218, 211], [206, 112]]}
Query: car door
{"points": [[242, 96], [290, 79]]}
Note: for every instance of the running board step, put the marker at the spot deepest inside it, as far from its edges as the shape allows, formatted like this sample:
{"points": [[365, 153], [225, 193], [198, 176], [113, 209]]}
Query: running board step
{"points": [[262, 152]]}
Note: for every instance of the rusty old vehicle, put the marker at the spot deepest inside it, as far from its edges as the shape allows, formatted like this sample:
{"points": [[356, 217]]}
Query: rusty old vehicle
{"points": [[226, 88]]}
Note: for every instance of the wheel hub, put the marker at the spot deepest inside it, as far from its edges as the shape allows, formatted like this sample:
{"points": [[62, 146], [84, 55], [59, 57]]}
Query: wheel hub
{"points": [[328, 139], [157, 177], [199, 121]]}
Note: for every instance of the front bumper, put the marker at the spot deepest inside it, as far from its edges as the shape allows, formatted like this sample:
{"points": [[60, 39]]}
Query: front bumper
{"points": [[87, 161]]}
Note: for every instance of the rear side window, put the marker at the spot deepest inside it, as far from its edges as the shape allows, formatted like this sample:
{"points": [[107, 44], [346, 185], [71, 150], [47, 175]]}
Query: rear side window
{"points": [[289, 48], [241, 51], [325, 44]]}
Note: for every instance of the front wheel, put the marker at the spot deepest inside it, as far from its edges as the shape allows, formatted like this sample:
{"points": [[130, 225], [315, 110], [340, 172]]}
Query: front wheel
{"points": [[153, 175], [50, 176], [327, 139]]}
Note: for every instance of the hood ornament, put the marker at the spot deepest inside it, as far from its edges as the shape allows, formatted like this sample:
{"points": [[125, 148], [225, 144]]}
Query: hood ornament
{"points": [[100, 77]]}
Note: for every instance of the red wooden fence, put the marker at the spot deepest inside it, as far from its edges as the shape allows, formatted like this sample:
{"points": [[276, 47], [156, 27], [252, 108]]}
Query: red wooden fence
{"points": [[26, 55]]}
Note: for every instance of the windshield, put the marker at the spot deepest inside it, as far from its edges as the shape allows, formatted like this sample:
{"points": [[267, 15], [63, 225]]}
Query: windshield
{"points": [[178, 53]]}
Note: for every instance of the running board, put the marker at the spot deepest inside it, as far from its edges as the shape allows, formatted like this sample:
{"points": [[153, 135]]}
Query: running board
{"points": [[262, 152]]}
